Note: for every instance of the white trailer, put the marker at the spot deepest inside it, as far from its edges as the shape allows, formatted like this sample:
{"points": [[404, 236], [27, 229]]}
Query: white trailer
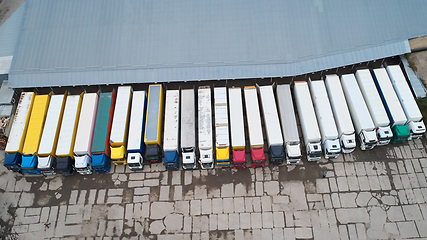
{"points": [[307, 117], [272, 125], [325, 119], [205, 127], [237, 126], [84, 135], [289, 124], [171, 130], [120, 125], [222, 142], [136, 145], [253, 117], [50, 135], [188, 129], [375, 106], [362, 120], [414, 118], [15, 142], [341, 114]]}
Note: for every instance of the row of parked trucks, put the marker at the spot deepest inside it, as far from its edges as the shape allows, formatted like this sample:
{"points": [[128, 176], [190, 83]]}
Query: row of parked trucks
{"points": [[65, 133]]}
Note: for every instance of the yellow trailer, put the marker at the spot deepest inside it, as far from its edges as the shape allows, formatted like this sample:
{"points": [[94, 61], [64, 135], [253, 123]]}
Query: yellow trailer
{"points": [[36, 124]]}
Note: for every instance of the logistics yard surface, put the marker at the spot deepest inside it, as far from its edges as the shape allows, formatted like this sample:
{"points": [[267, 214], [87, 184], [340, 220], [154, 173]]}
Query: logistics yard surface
{"points": [[377, 194]]}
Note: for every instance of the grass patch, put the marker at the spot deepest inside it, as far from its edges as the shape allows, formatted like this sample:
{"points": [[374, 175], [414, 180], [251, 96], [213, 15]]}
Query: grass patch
{"points": [[422, 104]]}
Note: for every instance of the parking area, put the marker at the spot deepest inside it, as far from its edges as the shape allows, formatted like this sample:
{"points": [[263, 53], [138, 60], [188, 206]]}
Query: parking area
{"points": [[377, 194]]}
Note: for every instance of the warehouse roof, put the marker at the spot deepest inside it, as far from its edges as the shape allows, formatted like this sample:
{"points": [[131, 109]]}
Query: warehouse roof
{"points": [[105, 41]]}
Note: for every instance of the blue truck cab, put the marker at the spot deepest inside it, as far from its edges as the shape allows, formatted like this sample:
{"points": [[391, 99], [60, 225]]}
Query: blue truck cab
{"points": [[29, 165], [101, 163], [171, 160], [13, 161]]}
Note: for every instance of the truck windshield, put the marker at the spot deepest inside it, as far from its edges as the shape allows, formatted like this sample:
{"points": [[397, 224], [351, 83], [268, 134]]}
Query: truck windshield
{"points": [[134, 164], [206, 165], [189, 165]]}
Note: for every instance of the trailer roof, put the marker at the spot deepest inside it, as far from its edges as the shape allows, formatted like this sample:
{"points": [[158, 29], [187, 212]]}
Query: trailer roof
{"points": [[50, 133], [153, 113], [404, 93], [171, 129], [221, 117], [101, 41], [324, 113], [337, 99], [16, 136], [85, 129], [372, 98], [306, 112], [205, 117], [68, 126], [237, 124], [188, 120], [137, 117], [390, 96], [353, 93], [121, 115], [287, 113], [253, 116], [100, 134], [271, 118]]}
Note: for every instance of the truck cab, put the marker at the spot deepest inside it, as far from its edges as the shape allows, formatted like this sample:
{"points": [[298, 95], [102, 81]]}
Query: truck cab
{"points": [[29, 165], [46, 165], [331, 148], [206, 159], [400, 134], [314, 151], [223, 156], [416, 129], [188, 158], [153, 153], [101, 163], [368, 140], [239, 159], [384, 135], [118, 155], [12, 161], [135, 161], [258, 156], [293, 153], [348, 143], [83, 164], [276, 155], [171, 160], [64, 166]]}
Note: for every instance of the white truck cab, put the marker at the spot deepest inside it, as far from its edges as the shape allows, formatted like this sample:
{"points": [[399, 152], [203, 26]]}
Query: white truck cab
{"points": [[45, 165], [83, 164], [135, 161]]}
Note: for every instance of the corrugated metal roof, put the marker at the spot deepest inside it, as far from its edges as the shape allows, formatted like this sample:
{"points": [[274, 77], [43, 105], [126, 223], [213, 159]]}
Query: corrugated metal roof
{"points": [[105, 41]]}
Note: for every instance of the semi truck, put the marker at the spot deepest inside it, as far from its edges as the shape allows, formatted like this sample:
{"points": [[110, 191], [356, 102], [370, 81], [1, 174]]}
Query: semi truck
{"points": [[414, 122], [307, 117], [136, 146], [18, 132], [153, 124], [237, 127], [375, 106], [84, 135], [101, 134], [272, 125], [188, 129], [46, 154], [392, 106], [119, 129], [171, 136], [365, 128], [67, 135], [222, 142], [325, 119], [341, 114], [205, 127], [253, 117], [289, 124], [34, 133]]}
